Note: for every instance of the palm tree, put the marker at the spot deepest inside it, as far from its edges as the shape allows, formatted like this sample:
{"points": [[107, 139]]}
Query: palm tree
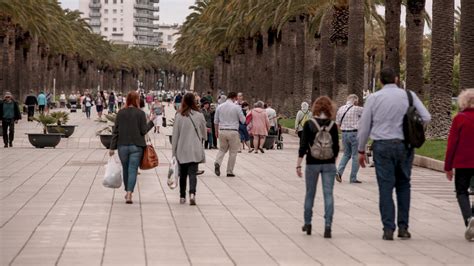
{"points": [[356, 54], [392, 34], [414, 45], [442, 56], [467, 44]]}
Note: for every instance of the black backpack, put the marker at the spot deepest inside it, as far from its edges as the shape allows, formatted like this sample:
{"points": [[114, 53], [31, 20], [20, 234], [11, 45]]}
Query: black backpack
{"points": [[413, 127]]}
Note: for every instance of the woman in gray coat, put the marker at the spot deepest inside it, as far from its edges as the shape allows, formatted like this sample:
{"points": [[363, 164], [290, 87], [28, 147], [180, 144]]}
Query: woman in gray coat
{"points": [[189, 131]]}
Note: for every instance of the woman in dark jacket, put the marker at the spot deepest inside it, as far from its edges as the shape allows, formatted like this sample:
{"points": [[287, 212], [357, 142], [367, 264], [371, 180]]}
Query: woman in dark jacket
{"points": [[323, 111], [129, 138]]}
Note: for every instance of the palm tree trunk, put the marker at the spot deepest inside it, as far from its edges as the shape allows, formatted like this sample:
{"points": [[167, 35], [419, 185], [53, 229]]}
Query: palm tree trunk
{"points": [[415, 21], [356, 45], [310, 65], [340, 37], [288, 67], [276, 78], [299, 91], [467, 45], [442, 57], [326, 80], [392, 34]]}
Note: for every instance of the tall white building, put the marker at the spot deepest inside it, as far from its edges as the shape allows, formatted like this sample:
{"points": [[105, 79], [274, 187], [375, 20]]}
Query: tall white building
{"points": [[130, 22], [168, 35]]}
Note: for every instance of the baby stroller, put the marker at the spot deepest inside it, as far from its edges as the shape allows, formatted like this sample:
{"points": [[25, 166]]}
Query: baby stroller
{"points": [[279, 141], [274, 138]]}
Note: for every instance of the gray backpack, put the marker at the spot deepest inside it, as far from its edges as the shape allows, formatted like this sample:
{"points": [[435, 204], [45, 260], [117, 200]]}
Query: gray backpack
{"points": [[322, 146]]}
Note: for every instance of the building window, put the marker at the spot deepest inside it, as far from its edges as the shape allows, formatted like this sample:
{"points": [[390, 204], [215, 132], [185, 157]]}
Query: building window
{"points": [[106, 20], [114, 20], [115, 1], [106, 1], [106, 11], [114, 29], [121, 19], [121, 11], [106, 29], [121, 1], [114, 11], [121, 29], [170, 37]]}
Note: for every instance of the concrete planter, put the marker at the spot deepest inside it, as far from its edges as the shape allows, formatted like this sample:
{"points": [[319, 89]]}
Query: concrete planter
{"points": [[39, 140], [106, 140], [67, 130]]}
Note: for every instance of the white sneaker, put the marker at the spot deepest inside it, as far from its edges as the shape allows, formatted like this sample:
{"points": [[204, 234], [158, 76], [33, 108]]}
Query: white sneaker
{"points": [[469, 235]]}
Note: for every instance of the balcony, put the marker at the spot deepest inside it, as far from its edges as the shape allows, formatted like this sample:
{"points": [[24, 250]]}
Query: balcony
{"points": [[147, 43], [155, 9], [94, 5], [143, 6], [143, 15], [94, 14], [94, 23], [143, 24], [146, 33]]}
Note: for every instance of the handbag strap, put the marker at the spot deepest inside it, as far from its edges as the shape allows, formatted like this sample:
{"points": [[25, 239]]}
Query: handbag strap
{"points": [[195, 129], [344, 115]]}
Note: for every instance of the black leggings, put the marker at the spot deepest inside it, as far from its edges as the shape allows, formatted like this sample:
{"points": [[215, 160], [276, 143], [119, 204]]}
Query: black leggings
{"points": [[185, 170], [462, 183]]}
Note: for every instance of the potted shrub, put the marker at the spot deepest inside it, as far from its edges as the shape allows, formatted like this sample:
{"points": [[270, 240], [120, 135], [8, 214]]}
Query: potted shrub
{"points": [[42, 140], [60, 126], [105, 133]]}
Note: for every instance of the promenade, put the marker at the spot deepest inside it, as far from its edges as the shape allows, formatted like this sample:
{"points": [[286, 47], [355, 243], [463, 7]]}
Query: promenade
{"points": [[55, 211]]}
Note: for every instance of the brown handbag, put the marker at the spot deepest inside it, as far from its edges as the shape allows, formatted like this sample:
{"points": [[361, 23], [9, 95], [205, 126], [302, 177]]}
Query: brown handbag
{"points": [[150, 158]]}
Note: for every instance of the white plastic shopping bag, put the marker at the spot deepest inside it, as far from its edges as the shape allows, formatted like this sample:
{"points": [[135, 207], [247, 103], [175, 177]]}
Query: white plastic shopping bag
{"points": [[173, 174], [113, 173]]}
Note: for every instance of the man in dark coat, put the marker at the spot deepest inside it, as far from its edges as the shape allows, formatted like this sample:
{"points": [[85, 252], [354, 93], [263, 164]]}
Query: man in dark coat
{"points": [[10, 114]]}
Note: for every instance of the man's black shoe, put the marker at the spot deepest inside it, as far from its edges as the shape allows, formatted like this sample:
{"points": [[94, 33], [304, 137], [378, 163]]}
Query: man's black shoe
{"points": [[387, 234], [230, 175], [403, 233], [5, 146], [217, 169], [200, 172], [307, 228], [327, 232], [11, 144], [356, 182]]}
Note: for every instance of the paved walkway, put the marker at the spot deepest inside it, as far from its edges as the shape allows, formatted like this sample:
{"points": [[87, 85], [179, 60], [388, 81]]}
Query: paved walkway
{"points": [[54, 210]]}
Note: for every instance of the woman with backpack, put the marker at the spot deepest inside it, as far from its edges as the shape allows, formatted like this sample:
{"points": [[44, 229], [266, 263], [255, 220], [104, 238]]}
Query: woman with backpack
{"points": [[320, 144], [302, 117]]}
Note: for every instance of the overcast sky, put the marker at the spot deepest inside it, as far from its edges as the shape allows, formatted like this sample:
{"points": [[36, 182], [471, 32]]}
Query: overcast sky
{"points": [[175, 11]]}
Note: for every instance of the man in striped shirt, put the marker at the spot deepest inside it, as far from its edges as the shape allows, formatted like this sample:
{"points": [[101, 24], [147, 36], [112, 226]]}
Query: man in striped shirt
{"points": [[347, 119]]}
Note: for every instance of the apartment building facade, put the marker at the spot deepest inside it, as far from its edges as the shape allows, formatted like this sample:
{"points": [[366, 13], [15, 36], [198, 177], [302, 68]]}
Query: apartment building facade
{"points": [[128, 22], [169, 36]]}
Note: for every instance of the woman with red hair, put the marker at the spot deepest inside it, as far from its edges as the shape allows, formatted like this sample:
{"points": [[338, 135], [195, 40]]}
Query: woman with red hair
{"points": [[128, 138], [320, 143]]}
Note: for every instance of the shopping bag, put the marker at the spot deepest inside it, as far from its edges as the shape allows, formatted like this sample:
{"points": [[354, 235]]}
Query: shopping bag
{"points": [[113, 173], [173, 174]]}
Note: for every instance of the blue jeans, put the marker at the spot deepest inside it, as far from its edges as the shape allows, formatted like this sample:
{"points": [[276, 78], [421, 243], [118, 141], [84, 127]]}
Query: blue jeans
{"points": [[328, 173], [130, 156], [88, 111], [393, 162], [350, 143]]}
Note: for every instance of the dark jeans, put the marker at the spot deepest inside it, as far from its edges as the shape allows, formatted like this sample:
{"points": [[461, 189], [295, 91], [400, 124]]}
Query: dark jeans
{"points": [[209, 143], [31, 112], [393, 163], [185, 170], [130, 156], [462, 183], [41, 108], [8, 126], [88, 111]]}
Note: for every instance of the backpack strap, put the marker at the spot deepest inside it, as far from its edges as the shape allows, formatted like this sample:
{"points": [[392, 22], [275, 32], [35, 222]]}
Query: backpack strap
{"points": [[410, 98], [318, 127]]}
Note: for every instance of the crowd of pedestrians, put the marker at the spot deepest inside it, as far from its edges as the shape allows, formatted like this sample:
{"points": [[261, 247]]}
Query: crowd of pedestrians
{"points": [[230, 125]]}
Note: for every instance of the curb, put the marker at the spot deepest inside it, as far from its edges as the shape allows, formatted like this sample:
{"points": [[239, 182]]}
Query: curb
{"points": [[420, 161], [429, 163]]}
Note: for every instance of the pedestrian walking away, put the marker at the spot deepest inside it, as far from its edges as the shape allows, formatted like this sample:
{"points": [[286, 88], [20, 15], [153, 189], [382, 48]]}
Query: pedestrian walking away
{"points": [[31, 102], [41, 102], [302, 117], [189, 131], [10, 114], [272, 117], [128, 137], [119, 101], [460, 156], [177, 101], [320, 144], [243, 131], [347, 119], [382, 120], [112, 102], [259, 126], [226, 120]]}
